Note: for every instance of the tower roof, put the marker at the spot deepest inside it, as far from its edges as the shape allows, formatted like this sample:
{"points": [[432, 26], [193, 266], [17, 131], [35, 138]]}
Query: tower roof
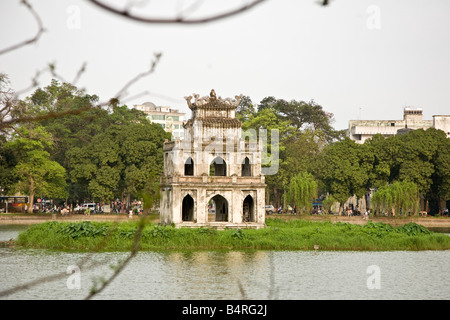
{"points": [[212, 102]]}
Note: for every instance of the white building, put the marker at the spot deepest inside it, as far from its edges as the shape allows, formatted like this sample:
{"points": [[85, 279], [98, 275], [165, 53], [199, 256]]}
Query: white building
{"points": [[361, 130], [170, 119]]}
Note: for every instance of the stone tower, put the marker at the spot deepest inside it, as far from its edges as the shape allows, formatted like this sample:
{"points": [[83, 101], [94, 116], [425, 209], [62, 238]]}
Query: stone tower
{"points": [[213, 177]]}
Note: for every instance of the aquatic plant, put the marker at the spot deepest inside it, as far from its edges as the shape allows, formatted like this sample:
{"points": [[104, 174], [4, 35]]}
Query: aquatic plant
{"points": [[297, 234]]}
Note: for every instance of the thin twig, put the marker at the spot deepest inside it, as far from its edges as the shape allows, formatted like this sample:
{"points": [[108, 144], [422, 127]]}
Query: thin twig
{"points": [[122, 91], [48, 115], [134, 251], [82, 264], [79, 73], [29, 41]]}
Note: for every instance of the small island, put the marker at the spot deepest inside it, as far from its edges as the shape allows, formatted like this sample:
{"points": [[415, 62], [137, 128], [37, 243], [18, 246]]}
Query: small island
{"points": [[279, 234]]}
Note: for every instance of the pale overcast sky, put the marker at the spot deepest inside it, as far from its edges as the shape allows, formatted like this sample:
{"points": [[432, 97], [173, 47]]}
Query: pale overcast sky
{"points": [[358, 59]]}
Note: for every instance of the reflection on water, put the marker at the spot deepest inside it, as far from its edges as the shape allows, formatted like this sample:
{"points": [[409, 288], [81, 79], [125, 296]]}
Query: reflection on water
{"points": [[239, 275], [8, 232]]}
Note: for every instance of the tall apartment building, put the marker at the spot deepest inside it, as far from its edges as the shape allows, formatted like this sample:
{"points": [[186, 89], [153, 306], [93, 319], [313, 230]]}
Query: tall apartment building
{"points": [[170, 119], [361, 130]]}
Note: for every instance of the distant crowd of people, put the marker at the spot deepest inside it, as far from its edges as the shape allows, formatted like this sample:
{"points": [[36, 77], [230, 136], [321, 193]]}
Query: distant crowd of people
{"points": [[117, 206]]}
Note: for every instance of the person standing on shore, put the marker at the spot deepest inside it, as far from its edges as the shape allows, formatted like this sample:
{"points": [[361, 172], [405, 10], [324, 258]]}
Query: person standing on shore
{"points": [[366, 215]]}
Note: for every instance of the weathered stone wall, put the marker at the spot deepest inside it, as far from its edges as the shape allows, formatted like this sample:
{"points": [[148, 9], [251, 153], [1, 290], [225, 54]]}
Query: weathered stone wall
{"points": [[212, 135]]}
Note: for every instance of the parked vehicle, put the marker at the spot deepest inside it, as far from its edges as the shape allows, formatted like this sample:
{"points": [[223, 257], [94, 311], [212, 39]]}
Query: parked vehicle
{"points": [[84, 206], [270, 209]]}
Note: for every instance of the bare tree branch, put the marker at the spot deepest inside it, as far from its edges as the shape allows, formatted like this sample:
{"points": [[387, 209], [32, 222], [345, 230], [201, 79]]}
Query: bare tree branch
{"points": [[50, 278], [8, 99], [122, 91], [134, 251], [29, 41], [79, 73], [180, 19], [49, 115]]}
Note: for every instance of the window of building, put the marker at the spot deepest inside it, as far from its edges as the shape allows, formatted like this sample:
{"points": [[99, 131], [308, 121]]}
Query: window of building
{"points": [[246, 168], [158, 117], [218, 167], [188, 208], [189, 167]]}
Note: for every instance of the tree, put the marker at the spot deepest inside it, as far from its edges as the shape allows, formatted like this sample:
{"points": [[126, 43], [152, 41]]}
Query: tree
{"points": [[7, 163], [35, 173], [422, 161], [121, 161], [266, 119], [385, 166], [304, 129], [440, 187], [399, 197], [308, 115], [343, 169], [245, 109], [74, 129], [302, 191]]}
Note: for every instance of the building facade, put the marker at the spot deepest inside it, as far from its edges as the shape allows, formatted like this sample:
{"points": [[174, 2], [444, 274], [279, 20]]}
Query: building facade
{"points": [[170, 119], [361, 130], [213, 176]]}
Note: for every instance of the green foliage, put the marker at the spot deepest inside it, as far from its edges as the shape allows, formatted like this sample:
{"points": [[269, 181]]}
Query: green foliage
{"points": [[413, 229], [84, 229], [304, 128], [279, 234], [123, 158], [238, 234], [400, 197], [302, 191], [159, 231], [346, 168], [420, 156], [34, 172], [106, 152], [343, 169]]}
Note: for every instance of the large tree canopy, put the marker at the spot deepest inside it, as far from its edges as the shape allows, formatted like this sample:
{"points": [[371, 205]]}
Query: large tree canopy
{"points": [[121, 160], [107, 152], [304, 128], [419, 157], [35, 174]]}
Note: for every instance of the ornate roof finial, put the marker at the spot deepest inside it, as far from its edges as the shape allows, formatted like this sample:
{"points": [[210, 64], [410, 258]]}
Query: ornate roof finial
{"points": [[213, 94]]}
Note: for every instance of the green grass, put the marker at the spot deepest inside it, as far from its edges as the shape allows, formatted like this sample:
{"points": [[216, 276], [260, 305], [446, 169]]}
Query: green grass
{"points": [[278, 235]]}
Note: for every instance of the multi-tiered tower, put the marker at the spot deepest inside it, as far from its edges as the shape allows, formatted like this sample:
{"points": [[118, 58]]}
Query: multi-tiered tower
{"points": [[213, 177]]}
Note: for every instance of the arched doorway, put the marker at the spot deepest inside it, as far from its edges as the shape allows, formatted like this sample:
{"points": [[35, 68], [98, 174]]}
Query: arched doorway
{"points": [[218, 167], [219, 206], [189, 167], [187, 210], [246, 168], [248, 209]]}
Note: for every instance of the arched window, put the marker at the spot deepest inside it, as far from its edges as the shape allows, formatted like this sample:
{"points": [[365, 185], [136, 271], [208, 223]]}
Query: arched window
{"points": [[218, 167], [188, 208], [189, 167], [246, 168]]}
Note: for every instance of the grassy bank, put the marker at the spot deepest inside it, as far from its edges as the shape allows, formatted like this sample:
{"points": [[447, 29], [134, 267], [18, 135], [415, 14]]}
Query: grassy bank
{"points": [[279, 235]]}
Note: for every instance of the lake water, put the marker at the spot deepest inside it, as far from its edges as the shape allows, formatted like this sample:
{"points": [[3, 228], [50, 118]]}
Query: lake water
{"points": [[220, 275]]}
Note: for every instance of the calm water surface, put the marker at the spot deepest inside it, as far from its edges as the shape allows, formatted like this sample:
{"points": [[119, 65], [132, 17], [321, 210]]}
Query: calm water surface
{"points": [[239, 275]]}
